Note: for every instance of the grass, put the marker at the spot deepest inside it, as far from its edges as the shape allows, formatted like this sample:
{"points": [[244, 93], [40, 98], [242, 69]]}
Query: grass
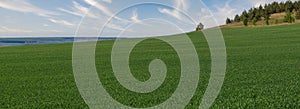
{"points": [[262, 72]]}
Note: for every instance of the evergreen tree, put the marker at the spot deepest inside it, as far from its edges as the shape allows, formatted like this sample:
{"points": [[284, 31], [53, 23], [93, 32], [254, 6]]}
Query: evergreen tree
{"points": [[275, 7], [261, 11], [297, 5], [267, 17], [228, 21], [245, 21], [245, 14], [289, 18], [282, 6], [256, 14], [251, 14], [289, 6], [254, 21], [237, 18], [267, 21]]}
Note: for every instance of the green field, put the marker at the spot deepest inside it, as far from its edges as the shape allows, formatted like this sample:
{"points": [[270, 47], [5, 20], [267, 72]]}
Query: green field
{"points": [[263, 71]]}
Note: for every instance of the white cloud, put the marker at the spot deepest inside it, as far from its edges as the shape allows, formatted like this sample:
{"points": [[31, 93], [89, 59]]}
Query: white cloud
{"points": [[4, 29], [115, 27], [99, 6], [105, 13], [105, 10], [182, 4], [151, 28], [78, 10], [61, 22], [107, 1], [173, 13], [179, 5], [224, 12], [25, 6], [135, 17]]}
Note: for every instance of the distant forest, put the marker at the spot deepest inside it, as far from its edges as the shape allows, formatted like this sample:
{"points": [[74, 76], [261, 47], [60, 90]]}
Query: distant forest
{"points": [[292, 10]]}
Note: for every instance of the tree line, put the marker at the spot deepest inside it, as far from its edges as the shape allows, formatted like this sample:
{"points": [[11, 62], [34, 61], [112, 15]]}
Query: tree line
{"points": [[253, 15]]}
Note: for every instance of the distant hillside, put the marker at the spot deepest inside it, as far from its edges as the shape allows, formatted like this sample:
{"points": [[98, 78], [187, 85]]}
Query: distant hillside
{"points": [[275, 19], [270, 14]]}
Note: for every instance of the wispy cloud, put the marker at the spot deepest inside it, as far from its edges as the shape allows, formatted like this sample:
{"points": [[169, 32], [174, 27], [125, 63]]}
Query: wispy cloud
{"points": [[107, 1], [61, 22], [78, 10], [115, 27], [223, 12], [99, 6], [179, 5], [51, 15], [4, 29], [135, 17], [105, 10], [106, 14], [173, 13], [25, 7]]}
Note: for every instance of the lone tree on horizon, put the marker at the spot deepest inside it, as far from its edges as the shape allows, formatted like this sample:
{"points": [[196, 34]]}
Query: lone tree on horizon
{"points": [[200, 27]]}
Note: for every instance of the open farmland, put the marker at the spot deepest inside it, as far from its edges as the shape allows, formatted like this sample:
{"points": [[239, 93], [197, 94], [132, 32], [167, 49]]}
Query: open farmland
{"points": [[263, 71]]}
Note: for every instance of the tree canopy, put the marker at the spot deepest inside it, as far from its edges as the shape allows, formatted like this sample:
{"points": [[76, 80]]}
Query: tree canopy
{"points": [[266, 11]]}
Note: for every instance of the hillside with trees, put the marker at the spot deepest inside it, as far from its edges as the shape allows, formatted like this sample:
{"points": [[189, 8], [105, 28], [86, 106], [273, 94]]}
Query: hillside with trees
{"points": [[269, 14]]}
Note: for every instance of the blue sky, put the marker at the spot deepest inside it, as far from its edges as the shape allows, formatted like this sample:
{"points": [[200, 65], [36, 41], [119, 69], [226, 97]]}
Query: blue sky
{"points": [[56, 18]]}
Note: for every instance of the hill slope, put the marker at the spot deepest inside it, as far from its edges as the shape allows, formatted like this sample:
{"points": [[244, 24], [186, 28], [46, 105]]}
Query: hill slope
{"points": [[277, 16], [262, 71]]}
